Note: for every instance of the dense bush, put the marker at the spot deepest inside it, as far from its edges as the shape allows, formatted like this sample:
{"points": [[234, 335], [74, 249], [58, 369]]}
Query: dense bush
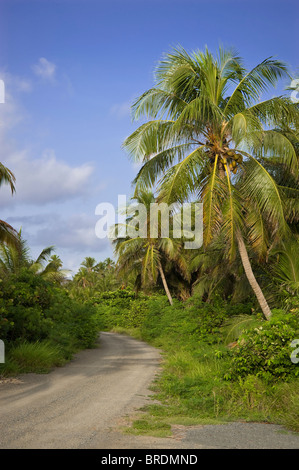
{"points": [[265, 351], [156, 318], [33, 309], [120, 308], [72, 323], [23, 300], [199, 320]]}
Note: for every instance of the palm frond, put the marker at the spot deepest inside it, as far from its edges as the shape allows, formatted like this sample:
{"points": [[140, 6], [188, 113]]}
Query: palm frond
{"points": [[254, 83], [7, 177], [180, 180], [258, 185]]}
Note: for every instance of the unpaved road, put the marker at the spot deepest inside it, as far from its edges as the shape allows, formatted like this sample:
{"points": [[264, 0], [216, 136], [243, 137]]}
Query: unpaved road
{"points": [[81, 405]]}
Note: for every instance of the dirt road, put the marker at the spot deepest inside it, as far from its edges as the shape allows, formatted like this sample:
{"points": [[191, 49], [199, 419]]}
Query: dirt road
{"points": [[80, 406]]}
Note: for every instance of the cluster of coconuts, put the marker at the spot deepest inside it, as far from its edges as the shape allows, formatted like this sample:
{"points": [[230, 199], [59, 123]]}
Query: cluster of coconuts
{"points": [[232, 159]]}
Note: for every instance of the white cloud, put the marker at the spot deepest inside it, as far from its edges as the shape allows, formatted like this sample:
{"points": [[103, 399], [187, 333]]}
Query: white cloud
{"points": [[48, 189], [39, 179], [44, 69], [22, 84], [44, 180], [10, 116], [73, 236], [15, 83], [75, 232], [121, 110]]}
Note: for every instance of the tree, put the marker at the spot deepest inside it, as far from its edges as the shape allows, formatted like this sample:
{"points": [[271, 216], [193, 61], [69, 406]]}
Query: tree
{"points": [[7, 233], [93, 277], [146, 255], [15, 257], [285, 269], [53, 270], [207, 137]]}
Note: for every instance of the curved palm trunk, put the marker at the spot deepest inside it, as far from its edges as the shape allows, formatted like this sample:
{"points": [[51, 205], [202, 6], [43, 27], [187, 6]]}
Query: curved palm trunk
{"points": [[251, 278], [165, 283]]}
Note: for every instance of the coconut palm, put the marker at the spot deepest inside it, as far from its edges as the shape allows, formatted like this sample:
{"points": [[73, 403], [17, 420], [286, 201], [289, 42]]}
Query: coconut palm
{"points": [[286, 180], [53, 270], [89, 263], [206, 138], [17, 256], [285, 266], [146, 255], [93, 277], [86, 275], [7, 233]]}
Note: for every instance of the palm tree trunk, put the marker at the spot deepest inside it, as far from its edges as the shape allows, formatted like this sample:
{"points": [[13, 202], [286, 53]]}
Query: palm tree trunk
{"points": [[251, 278], [165, 283]]}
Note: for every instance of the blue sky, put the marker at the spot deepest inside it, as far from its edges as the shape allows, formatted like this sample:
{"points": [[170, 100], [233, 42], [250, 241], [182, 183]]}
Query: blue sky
{"points": [[72, 68]]}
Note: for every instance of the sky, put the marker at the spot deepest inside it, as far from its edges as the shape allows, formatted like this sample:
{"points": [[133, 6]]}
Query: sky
{"points": [[72, 69]]}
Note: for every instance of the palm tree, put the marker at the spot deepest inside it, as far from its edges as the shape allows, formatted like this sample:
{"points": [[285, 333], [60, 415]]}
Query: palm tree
{"points": [[7, 177], [89, 263], [145, 256], [86, 276], [207, 137], [53, 270], [7, 233], [17, 256], [285, 267]]}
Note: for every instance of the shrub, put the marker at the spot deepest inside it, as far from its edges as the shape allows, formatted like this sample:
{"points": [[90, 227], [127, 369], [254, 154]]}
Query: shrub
{"points": [[73, 324], [265, 350], [194, 319], [24, 298], [120, 308], [33, 309]]}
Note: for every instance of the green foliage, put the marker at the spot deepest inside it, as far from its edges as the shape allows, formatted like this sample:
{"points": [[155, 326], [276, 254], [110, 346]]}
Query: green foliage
{"points": [[93, 278], [24, 297], [199, 320], [120, 308], [71, 322], [34, 310], [38, 357], [265, 350], [201, 381]]}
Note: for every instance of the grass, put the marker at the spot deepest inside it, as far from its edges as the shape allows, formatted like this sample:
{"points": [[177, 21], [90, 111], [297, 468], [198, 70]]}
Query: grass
{"points": [[38, 357], [149, 426], [192, 390]]}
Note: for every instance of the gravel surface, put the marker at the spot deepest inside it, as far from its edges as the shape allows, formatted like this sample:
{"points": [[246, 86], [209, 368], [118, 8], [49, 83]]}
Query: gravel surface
{"points": [[83, 405]]}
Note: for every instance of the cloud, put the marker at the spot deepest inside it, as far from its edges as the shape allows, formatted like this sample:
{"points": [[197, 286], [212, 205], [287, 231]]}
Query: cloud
{"points": [[121, 110], [76, 232], [40, 179], [15, 84], [73, 236], [44, 180], [22, 84], [10, 115], [44, 69]]}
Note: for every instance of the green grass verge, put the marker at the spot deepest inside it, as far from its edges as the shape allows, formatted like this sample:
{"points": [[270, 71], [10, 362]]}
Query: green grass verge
{"points": [[38, 357], [192, 390]]}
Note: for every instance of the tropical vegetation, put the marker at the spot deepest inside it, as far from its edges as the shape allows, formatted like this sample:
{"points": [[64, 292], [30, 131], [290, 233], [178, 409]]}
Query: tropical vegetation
{"points": [[225, 314]]}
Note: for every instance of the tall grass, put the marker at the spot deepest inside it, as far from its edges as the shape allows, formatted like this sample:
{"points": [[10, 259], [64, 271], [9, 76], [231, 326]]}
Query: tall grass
{"points": [[39, 357]]}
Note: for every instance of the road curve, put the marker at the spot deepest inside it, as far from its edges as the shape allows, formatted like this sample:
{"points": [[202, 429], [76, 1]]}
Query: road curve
{"points": [[80, 406], [75, 406]]}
